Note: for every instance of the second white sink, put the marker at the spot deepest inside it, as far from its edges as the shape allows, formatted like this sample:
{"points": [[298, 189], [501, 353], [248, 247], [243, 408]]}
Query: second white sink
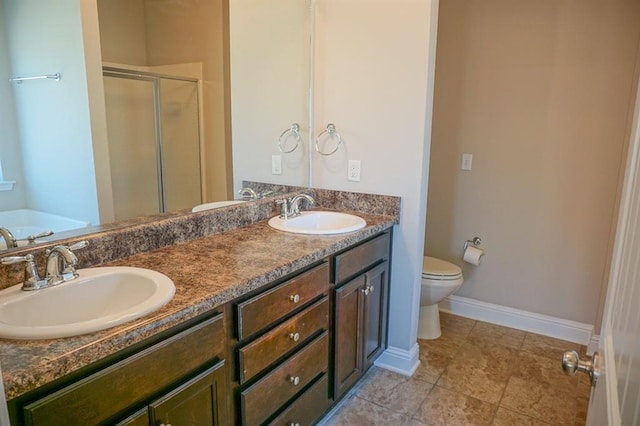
{"points": [[319, 223], [99, 298]]}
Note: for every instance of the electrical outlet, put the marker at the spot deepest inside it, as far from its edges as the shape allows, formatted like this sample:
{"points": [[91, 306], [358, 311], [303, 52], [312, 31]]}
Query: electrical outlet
{"points": [[353, 173], [276, 164]]}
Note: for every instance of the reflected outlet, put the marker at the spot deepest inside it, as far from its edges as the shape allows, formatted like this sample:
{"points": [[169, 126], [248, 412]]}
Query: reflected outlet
{"points": [[353, 173]]}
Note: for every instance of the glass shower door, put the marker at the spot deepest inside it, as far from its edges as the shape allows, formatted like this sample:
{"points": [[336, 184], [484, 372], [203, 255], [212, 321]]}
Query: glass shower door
{"points": [[133, 147], [180, 141]]}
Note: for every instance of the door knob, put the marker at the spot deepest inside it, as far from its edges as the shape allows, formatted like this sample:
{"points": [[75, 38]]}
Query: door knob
{"points": [[571, 363]]}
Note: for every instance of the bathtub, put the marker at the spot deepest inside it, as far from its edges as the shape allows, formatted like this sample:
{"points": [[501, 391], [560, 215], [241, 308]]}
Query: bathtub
{"points": [[25, 222]]}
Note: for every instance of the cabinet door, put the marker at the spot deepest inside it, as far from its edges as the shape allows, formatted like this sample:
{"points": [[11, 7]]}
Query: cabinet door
{"points": [[202, 401], [140, 418], [375, 313], [349, 303]]}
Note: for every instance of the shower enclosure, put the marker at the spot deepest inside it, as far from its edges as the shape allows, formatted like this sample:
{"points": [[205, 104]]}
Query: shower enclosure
{"points": [[153, 126]]}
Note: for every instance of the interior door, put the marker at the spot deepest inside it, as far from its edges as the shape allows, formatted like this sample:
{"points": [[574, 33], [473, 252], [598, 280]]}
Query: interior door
{"points": [[616, 398]]}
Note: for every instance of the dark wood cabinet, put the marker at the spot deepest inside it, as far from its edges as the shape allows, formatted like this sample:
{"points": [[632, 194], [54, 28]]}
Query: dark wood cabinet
{"points": [[283, 350], [114, 393], [360, 311], [280, 355], [375, 313], [200, 401]]}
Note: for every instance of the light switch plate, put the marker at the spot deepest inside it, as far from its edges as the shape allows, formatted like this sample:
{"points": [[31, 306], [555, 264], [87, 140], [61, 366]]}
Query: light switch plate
{"points": [[276, 164], [467, 159]]}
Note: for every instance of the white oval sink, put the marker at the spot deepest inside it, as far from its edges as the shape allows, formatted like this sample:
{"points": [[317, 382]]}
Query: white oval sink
{"points": [[99, 298], [319, 223], [215, 205]]}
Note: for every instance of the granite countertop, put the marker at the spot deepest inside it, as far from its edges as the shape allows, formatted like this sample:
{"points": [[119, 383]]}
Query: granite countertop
{"points": [[207, 272]]}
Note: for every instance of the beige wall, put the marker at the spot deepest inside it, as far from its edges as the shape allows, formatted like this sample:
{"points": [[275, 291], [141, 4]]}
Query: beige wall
{"points": [[178, 34], [539, 92], [122, 31], [152, 33]]}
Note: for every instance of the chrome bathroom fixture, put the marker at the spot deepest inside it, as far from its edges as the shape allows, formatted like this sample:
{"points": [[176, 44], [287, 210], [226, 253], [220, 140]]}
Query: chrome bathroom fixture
{"points": [[294, 132], [290, 207], [55, 77], [476, 241], [571, 363], [61, 266], [332, 133]]}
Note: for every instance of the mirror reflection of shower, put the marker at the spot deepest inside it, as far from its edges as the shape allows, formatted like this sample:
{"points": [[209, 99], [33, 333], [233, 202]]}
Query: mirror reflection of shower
{"points": [[153, 126]]}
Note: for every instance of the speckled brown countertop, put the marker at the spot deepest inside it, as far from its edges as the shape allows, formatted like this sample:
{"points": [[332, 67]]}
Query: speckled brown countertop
{"points": [[207, 272]]}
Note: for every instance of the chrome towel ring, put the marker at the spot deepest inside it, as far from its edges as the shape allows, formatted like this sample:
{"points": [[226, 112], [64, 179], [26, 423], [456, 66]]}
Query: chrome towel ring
{"points": [[294, 132], [332, 133]]}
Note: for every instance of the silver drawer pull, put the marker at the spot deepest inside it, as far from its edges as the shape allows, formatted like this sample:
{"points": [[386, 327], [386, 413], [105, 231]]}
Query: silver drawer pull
{"points": [[294, 424], [295, 381], [294, 336], [294, 298]]}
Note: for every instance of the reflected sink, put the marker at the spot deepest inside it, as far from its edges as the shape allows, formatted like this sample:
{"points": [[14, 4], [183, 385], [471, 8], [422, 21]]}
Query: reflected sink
{"points": [[319, 223], [215, 205], [98, 299]]}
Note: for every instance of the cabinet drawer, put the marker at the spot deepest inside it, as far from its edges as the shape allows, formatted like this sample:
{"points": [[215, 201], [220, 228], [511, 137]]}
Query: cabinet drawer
{"points": [[262, 352], [361, 257], [308, 407], [102, 395], [263, 398], [265, 308]]}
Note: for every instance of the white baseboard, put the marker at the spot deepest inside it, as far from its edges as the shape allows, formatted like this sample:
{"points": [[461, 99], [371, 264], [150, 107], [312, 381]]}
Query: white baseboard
{"points": [[558, 328], [399, 360], [593, 345]]}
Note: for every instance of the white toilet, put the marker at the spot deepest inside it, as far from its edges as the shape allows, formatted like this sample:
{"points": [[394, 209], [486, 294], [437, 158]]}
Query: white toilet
{"points": [[439, 280]]}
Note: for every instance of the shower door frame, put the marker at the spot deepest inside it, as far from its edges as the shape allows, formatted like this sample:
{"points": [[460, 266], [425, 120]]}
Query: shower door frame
{"points": [[155, 78]]}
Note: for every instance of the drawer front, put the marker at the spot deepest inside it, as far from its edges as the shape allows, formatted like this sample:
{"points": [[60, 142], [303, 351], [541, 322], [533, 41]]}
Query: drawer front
{"points": [[361, 257], [262, 352], [265, 308], [110, 391], [308, 407], [267, 395]]}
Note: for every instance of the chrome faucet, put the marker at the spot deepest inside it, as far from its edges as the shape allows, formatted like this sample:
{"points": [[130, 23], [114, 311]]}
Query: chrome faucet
{"points": [[291, 207], [248, 194], [9, 239], [61, 263]]}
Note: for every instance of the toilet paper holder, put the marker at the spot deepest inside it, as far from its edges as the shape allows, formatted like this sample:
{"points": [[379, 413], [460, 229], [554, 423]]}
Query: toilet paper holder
{"points": [[476, 241]]}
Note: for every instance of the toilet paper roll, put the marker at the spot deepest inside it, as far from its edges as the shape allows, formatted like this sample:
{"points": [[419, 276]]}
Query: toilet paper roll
{"points": [[473, 255]]}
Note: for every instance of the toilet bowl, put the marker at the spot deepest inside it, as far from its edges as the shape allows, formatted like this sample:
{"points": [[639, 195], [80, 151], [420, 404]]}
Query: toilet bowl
{"points": [[439, 280]]}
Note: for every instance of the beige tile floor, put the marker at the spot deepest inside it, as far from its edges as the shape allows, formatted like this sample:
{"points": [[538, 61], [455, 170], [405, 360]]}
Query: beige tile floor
{"points": [[475, 374]]}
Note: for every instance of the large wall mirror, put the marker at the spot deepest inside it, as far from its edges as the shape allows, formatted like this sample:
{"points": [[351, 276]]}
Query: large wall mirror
{"points": [[160, 105]]}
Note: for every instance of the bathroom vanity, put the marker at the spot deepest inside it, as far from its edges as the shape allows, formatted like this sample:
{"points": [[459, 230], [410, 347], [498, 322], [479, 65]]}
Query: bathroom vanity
{"points": [[265, 327]]}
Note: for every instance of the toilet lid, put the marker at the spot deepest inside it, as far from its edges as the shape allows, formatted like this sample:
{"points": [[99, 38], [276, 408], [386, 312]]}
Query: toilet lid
{"points": [[436, 268]]}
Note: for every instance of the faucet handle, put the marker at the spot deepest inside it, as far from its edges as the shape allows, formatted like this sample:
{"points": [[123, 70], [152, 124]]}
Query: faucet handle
{"points": [[79, 245], [32, 238], [9, 260], [32, 280]]}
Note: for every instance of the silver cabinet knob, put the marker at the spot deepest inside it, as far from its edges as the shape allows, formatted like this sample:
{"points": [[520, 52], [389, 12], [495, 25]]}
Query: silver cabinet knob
{"points": [[294, 424], [367, 290], [294, 336], [571, 363], [295, 381], [294, 298]]}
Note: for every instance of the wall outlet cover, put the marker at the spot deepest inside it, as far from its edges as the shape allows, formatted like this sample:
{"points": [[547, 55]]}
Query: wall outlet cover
{"points": [[353, 171]]}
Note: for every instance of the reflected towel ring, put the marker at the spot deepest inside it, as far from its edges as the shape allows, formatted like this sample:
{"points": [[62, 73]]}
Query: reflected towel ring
{"points": [[282, 140], [331, 131]]}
